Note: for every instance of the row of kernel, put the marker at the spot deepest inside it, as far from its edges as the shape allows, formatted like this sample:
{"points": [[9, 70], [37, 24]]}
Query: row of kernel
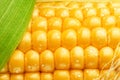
{"points": [[53, 39], [56, 23], [61, 59], [87, 74], [77, 4]]}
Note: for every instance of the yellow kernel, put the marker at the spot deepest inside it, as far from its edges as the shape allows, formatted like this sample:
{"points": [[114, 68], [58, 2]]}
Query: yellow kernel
{"points": [[113, 37], [16, 77], [87, 5], [35, 12], [73, 5], [46, 61], [91, 57], [62, 58], [62, 12], [61, 75], [39, 23], [99, 37], [77, 13], [46, 76], [25, 44], [83, 37], [47, 12], [88, 12], [105, 57], [69, 39], [32, 76], [103, 12], [77, 58], [31, 61], [118, 21], [108, 22], [91, 74], [101, 5], [55, 23], [16, 62], [4, 69], [71, 23], [4, 76], [116, 11], [39, 41], [92, 22], [54, 39], [76, 75]]}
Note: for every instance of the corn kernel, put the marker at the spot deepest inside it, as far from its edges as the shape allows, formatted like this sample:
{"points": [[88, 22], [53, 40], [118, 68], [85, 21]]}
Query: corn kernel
{"points": [[25, 44], [77, 13], [69, 39], [71, 23], [46, 76], [46, 61], [91, 74], [16, 77], [4, 76], [62, 12], [55, 23], [99, 37], [62, 58], [4, 69], [88, 12], [77, 58], [47, 12], [31, 61], [61, 75], [91, 57], [105, 57], [116, 11], [92, 22], [39, 41], [39, 23], [54, 39], [73, 5], [32, 76], [76, 75], [108, 22], [16, 62], [113, 37], [83, 37], [102, 12]]}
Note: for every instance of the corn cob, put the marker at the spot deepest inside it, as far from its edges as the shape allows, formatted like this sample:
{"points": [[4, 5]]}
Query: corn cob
{"points": [[68, 41]]}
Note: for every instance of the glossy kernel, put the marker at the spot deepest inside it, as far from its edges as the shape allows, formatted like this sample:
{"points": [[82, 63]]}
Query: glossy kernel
{"points": [[39, 23], [61, 75], [113, 37], [39, 41], [99, 37], [25, 44], [105, 57], [46, 61], [76, 75], [62, 58], [77, 58], [31, 61], [16, 62], [69, 39], [91, 57], [54, 39], [71, 23], [83, 37]]}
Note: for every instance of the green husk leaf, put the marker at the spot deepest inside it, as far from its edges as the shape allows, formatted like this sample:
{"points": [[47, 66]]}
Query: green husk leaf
{"points": [[14, 18]]}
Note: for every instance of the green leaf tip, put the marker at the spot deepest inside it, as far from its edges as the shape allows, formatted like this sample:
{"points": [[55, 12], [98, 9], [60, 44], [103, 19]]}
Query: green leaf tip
{"points": [[14, 18]]}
